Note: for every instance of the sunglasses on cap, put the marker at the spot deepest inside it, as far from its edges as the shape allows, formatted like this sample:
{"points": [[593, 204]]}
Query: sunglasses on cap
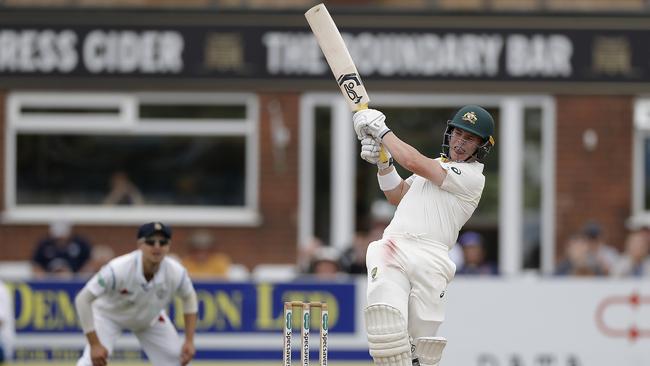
{"points": [[152, 241]]}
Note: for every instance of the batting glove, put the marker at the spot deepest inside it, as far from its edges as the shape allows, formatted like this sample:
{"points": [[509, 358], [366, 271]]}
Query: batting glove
{"points": [[370, 152], [370, 122]]}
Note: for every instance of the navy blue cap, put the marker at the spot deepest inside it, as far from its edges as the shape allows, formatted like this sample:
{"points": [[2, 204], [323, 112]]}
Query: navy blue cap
{"points": [[592, 230], [151, 228], [470, 238]]}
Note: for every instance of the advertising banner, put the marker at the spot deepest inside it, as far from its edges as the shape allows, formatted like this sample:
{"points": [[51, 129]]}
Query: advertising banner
{"points": [[489, 322], [383, 53]]}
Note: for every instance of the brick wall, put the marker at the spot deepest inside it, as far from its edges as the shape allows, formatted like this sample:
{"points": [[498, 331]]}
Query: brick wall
{"points": [[593, 184], [274, 241], [590, 185]]}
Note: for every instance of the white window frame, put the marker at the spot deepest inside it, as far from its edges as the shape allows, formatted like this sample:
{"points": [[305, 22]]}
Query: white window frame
{"points": [[126, 121], [640, 216], [510, 138]]}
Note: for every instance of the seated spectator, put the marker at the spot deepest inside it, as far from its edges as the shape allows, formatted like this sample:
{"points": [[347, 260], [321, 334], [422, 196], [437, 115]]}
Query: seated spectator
{"points": [[307, 252], [474, 262], [61, 253], [203, 258], [99, 256], [605, 255], [579, 260], [635, 261], [325, 264], [123, 191], [353, 260]]}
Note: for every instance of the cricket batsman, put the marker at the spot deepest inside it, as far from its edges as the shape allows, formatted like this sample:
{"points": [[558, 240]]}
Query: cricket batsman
{"points": [[409, 268], [131, 292]]}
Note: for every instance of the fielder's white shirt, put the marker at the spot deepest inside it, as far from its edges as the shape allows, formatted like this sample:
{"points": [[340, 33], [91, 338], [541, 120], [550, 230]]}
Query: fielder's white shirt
{"points": [[125, 296], [437, 213]]}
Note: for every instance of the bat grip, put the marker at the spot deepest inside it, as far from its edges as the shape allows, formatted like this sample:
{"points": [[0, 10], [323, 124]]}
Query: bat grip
{"points": [[383, 157]]}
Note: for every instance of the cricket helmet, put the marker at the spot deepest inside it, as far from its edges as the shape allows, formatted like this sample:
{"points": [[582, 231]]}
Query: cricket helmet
{"points": [[476, 120]]}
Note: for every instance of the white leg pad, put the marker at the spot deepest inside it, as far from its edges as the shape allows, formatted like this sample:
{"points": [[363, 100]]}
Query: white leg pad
{"points": [[388, 339], [429, 350]]}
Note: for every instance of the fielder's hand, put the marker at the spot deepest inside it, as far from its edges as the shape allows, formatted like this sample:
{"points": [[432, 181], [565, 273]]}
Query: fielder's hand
{"points": [[370, 152], [98, 355], [187, 353], [370, 122]]}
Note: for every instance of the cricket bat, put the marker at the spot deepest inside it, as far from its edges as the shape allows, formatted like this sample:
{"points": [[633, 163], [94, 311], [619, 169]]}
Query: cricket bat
{"points": [[339, 59]]}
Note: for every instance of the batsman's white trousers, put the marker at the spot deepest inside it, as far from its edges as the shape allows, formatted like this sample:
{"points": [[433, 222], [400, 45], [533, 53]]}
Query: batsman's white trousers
{"points": [[412, 276], [160, 341]]}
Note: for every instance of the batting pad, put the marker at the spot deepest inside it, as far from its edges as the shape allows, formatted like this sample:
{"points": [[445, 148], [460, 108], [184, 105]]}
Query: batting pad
{"points": [[429, 350], [387, 336]]}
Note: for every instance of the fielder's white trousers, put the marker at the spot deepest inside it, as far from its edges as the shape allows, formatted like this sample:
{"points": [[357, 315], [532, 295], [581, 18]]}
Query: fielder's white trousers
{"points": [[412, 276], [160, 341]]}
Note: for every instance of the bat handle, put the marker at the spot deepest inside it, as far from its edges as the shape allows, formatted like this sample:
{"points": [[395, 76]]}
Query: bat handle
{"points": [[383, 157]]}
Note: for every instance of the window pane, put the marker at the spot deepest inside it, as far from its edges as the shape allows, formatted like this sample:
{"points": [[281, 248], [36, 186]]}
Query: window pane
{"points": [[54, 110], [166, 170], [322, 189], [198, 112]]}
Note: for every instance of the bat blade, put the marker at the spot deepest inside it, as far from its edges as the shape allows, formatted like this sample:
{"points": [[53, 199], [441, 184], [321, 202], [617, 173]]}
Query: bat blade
{"points": [[341, 63], [338, 57]]}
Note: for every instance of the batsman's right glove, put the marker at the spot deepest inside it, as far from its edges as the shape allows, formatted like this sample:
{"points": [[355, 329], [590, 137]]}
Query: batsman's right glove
{"points": [[370, 152]]}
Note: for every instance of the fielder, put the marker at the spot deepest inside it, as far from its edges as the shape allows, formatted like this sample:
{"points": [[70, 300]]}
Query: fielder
{"points": [[409, 268], [131, 292]]}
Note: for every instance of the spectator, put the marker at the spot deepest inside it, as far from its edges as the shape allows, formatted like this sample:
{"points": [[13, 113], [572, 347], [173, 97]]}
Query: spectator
{"points": [[635, 261], [7, 326], [307, 253], [203, 259], [61, 252], [123, 191], [605, 255], [99, 256], [382, 212], [579, 260], [353, 260], [474, 262], [325, 264]]}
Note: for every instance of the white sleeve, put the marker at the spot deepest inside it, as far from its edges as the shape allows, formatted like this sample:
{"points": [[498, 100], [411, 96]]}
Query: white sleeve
{"points": [[190, 304], [462, 180], [83, 303], [185, 286], [186, 291], [103, 281]]}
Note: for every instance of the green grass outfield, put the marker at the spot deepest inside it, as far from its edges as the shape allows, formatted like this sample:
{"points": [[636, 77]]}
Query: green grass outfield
{"points": [[201, 363]]}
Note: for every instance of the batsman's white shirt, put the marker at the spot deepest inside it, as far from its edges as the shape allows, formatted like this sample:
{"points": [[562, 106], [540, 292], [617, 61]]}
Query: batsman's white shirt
{"points": [[410, 268], [437, 213], [127, 298]]}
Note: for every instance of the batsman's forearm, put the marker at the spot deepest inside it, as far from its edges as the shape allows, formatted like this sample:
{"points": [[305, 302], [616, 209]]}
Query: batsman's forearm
{"points": [[404, 154], [190, 326]]}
